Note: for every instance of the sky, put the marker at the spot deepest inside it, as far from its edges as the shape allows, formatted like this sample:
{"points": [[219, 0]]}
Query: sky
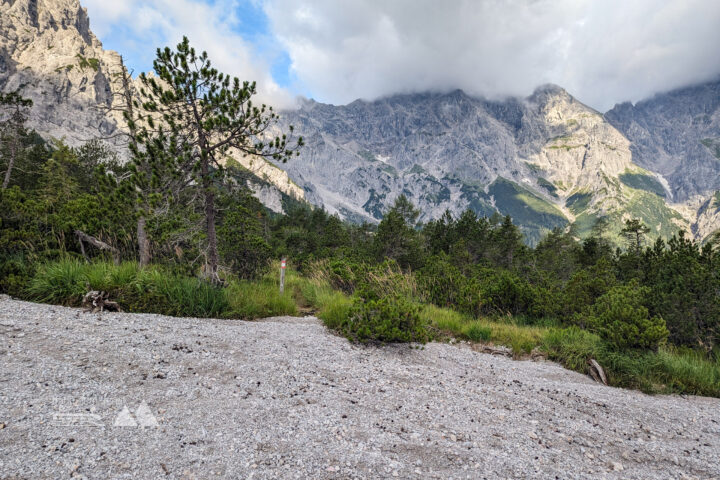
{"points": [[335, 51]]}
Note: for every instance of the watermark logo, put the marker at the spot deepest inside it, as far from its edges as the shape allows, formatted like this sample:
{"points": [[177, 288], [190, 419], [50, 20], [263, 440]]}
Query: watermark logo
{"points": [[143, 417], [76, 420]]}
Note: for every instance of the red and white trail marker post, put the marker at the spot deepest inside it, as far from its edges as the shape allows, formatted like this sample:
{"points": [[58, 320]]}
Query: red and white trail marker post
{"points": [[283, 265]]}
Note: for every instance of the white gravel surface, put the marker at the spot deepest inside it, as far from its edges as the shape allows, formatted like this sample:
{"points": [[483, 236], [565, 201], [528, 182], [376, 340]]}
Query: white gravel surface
{"points": [[287, 399]]}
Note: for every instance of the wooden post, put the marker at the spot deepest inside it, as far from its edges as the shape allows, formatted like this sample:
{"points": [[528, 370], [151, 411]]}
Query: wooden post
{"points": [[283, 263]]}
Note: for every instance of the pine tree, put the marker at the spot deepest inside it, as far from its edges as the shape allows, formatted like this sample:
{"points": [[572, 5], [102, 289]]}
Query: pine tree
{"points": [[13, 111], [199, 114], [396, 236], [635, 231]]}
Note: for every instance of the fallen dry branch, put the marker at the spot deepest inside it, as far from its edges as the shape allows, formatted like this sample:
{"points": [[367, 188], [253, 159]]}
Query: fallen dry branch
{"points": [[97, 243], [597, 372], [95, 301]]}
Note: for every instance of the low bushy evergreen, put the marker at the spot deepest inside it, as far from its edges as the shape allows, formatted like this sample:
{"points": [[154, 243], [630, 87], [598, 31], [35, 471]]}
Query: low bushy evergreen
{"points": [[620, 317], [390, 319]]}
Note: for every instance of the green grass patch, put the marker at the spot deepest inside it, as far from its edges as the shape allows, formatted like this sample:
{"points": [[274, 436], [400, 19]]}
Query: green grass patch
{"points": [[584, 224], [653, 211], [417, 169], [368, 155], [389, 169], [712, 144], [251, 300], [532, 213], [521, 338], [550, 187], [84, 62], [331, 306], [641, 181], [668, 370], [564, 146], [577, 202], [150, 290]]}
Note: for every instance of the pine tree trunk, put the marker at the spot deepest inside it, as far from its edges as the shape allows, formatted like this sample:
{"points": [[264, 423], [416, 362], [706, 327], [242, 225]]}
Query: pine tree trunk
{"points": [[211, 234], [212, 253], [11, 163], [143, 243], [142, 238]]}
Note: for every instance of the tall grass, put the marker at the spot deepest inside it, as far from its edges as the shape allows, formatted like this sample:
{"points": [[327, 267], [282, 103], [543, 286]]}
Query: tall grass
{"points": [[331, 306], [150, 290], [63, 282], [252, 300]]}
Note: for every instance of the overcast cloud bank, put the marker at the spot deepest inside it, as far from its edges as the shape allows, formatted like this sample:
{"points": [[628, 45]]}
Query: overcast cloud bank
{"points": [[602, 51]]}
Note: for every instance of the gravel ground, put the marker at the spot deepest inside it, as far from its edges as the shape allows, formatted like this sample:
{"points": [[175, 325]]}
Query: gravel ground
{"points": [[284, 398]]}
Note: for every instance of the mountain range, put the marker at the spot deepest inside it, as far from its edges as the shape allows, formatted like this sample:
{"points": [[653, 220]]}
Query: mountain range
{"points": [[547, 160]]}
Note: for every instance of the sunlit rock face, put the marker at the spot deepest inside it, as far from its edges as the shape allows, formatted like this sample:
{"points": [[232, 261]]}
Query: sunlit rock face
{"points": [[547, 160], [48, 52]]}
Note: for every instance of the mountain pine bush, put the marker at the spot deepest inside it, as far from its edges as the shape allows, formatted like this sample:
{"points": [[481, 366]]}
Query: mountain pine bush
{"points": [[620, 317]]}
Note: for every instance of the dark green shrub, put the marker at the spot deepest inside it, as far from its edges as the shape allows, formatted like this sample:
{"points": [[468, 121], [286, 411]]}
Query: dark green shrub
{"points": [[504, 292], [584, 288], [343, 274], [241, 241], [443, 284], [386, 320], [685, 290], [15, 272], [620, 318], [548, 302]]}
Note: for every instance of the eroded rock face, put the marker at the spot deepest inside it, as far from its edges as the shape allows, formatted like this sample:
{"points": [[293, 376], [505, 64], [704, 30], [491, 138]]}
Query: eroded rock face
{"points": [[48, 52], [676, 134], [546, 160]]}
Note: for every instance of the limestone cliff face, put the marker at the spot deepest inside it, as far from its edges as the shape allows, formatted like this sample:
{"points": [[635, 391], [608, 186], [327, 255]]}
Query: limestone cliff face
{"points": [[49, 53], [547, 160], [676, 134], [587, 154]]}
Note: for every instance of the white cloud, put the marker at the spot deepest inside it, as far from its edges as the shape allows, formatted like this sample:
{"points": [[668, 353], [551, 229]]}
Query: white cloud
{"points": [[147, 25], [602, 51]]}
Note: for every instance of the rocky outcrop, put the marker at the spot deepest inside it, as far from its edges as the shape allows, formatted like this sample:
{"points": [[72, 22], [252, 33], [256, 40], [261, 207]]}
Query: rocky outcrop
{"points": [[677, 135], [48, 52]]}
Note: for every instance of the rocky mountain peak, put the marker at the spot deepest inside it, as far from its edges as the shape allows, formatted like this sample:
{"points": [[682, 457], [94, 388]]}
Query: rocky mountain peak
{"points": [[41, 15], [548, 92], [49, 53]]}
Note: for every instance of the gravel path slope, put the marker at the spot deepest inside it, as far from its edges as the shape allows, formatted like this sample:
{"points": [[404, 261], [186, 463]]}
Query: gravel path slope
{"points": [[286, 399]]}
